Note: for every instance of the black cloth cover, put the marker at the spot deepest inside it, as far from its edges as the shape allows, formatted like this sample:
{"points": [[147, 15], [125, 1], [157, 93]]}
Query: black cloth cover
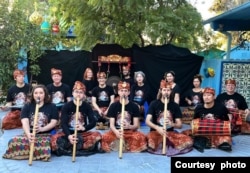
{"points": [[72, 64]]}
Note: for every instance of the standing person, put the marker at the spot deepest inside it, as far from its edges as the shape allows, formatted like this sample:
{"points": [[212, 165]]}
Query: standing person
{"points": [[102, 97], [60, 93], [234, 102], [126, 75], [176, 90], [217, 112], [140, 92], [135, 141], [19, 146], [87, 140], [90, 82], [17, 96], [178, 143], [194, 95]]}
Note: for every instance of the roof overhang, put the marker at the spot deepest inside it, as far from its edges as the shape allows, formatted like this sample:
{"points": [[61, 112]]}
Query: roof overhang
{"points": [[237, 19]]}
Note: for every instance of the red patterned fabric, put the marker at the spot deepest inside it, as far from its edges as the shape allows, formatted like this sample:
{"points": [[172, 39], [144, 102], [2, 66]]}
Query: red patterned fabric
{"points": [[245, 128], [236, 120], [177, 143], [90, 138], [12, 120], [214, 140], [134, 141], [210, 127]]}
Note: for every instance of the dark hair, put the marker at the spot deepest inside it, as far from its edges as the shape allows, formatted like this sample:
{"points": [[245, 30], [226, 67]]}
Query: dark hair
{"points": [[199, 77], [171, 72], [47, 98]]}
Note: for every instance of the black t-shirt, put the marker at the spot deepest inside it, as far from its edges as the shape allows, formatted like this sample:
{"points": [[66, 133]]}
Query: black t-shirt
{"points": [[131, 111], [139, 94], [156, 109], [234, 101], [103, 95], [90, 84], [18, 96], [218, 111], [45, 114], [195, 97], [86, 117], [59, 94]]}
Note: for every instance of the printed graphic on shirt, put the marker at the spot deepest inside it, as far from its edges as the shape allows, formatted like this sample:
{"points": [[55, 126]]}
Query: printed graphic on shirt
{"points": [[139, 96], [103, 96], [127, 118], [209, 116], [72, 121], [196, 100], [231, 104], [20, 99], [42, 119], [160, 119], [57, 97]]}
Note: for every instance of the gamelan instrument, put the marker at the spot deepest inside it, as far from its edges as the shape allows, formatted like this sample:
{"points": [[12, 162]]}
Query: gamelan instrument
{"points": [[240, 121], [122, 119], [75, 132], [164, 126], [210, 127], [34, 131]]}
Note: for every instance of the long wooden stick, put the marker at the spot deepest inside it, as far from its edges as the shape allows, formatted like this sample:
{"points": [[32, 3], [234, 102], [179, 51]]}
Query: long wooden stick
{"points": [[75, 132], [34, 132], [122, 119], [164, 125]]}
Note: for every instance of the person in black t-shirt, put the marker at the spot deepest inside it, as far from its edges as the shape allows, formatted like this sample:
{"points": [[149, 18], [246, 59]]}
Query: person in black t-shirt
{"points": [[179, 143], [90, 83], [102, 97], [47, 118], [217, 112], [236, 104], [86, 139], [17, 96]]}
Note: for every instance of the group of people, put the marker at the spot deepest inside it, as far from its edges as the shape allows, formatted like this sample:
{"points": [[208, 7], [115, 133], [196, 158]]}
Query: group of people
{"points": [[66, 118]]}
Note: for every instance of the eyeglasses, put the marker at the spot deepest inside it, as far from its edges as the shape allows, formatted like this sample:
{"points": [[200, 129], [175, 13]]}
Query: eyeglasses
{"points": [[78, 92]]}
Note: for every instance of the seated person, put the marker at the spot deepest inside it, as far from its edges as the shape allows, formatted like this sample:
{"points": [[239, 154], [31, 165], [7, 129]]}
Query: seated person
{"points": [[102, 97], [216, 111], [178, 143], [17, 96], [236, 104], [47, 117], [134, 140], [86, 140]]}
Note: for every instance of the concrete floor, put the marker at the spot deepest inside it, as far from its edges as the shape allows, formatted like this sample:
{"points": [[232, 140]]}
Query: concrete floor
{"points": [[110, 162]]}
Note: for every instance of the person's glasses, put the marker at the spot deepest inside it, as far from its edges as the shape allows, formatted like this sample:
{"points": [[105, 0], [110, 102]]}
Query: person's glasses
{"points": [[78, 92]]}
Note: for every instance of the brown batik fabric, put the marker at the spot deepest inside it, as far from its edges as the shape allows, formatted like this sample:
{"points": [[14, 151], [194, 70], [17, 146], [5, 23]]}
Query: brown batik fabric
{"points": [[134, 141]]}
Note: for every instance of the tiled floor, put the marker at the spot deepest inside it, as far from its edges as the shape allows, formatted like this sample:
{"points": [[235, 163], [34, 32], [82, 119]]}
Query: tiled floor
{"points": [[110, 162]]}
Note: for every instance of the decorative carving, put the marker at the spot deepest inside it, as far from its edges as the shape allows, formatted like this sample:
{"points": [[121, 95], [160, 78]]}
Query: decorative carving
{"points": [[114, 59]]}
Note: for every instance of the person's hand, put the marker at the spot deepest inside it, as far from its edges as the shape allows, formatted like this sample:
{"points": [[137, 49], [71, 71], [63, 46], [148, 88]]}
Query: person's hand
{"points": [[31, 137], [80, 127], [72, 139], [161, 130]]}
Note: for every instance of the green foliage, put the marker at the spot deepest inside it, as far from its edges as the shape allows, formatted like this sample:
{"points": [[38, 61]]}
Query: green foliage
{"points": [[128, 22], [17, 32]]}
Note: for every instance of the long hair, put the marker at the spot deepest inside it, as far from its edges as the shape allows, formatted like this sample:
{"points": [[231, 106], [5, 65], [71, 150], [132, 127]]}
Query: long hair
{"points": [[47, 98], [85, 73]]}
